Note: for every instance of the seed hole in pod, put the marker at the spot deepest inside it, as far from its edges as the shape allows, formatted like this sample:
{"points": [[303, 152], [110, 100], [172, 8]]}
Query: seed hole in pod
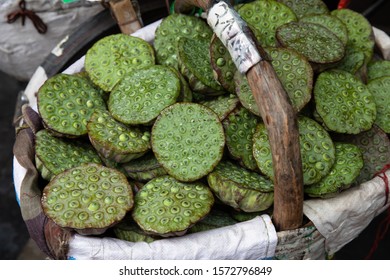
{"points": [[151, 219], [93, 206], [198, 205], [63, 195], [69, 214], [111, 210], [121, 200], [179, 196], [83, 216], [187, 213], [74, 203], [93, 187]]}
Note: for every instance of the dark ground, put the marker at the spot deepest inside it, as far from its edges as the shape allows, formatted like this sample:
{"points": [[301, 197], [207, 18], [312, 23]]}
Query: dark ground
{"points": [[14, 238]]}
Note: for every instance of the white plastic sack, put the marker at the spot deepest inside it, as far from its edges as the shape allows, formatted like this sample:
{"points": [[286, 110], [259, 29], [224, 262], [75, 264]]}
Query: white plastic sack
{"points": [[23, 48]]}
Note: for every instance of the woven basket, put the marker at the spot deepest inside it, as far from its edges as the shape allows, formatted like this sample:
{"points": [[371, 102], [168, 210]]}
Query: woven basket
{"points": [[332, 223]]}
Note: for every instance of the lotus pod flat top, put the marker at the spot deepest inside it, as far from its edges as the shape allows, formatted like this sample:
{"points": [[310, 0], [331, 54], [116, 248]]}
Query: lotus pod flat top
{"points": [[66, 102], [223, 65], [295, 73], [303, 8], [222, 105], [87, 197], [264, 17], [377, 69], [141, 95], [194, 62], [317, 43], [347, 166], [375, 145], [166, 207], [240, 188], [239, 126], [344, 103], [188, 140], [115, 140], [317, 150], [360, 34], [113, 56], [58, 154], [333, 23], [171, 29], [380, 90], [144, 168]]}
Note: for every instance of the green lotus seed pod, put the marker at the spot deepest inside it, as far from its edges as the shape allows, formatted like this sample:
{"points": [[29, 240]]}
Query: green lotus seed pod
{"points": [[66, 102], [222, 64], [317, 150], [222, 105], [89, 198], [347, 166], [168, 207], [215, 219], [344, 103], [380, 90], [264, 17], [114, 140], [128, 230], [240, 188], [114, 56], [188, 140], [303, 8], [141, 95], [375, 145], [239, 126], [169, 32], [54, 155], [333, 23], [194, 63], [144, 168], [352, 62], [360, 34], [317, 43], [294, 72], [378, 69]]}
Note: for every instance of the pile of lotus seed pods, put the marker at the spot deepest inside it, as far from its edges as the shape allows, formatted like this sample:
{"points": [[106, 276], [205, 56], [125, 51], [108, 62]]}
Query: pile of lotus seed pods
{"points": [[152, 141]]}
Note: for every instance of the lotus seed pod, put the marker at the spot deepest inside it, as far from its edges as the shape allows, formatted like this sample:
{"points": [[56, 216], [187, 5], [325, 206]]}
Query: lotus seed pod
{"points": [[188, 140], [380, 90], [144, 168], [352, 62], [378, 69], [222, 105], [114, 140], [114, 56], [317, 43], [344, 103], [54, 155], [264, 17], [303, 8], [239, 126], [185, 90], [333, 23], [169, 32], [141, 95], [360, 34], [240, 188], [347, 166], [128, 230], [66, 102], [222, 64], [89, 198], [375, 145], [317, 150], [194, 63], [215, 219], [294, 72], [168, 207], [245, 95]]}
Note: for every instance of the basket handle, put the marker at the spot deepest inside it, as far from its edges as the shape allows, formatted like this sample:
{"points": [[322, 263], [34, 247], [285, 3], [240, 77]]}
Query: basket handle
{"points": [[275, 107]]}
